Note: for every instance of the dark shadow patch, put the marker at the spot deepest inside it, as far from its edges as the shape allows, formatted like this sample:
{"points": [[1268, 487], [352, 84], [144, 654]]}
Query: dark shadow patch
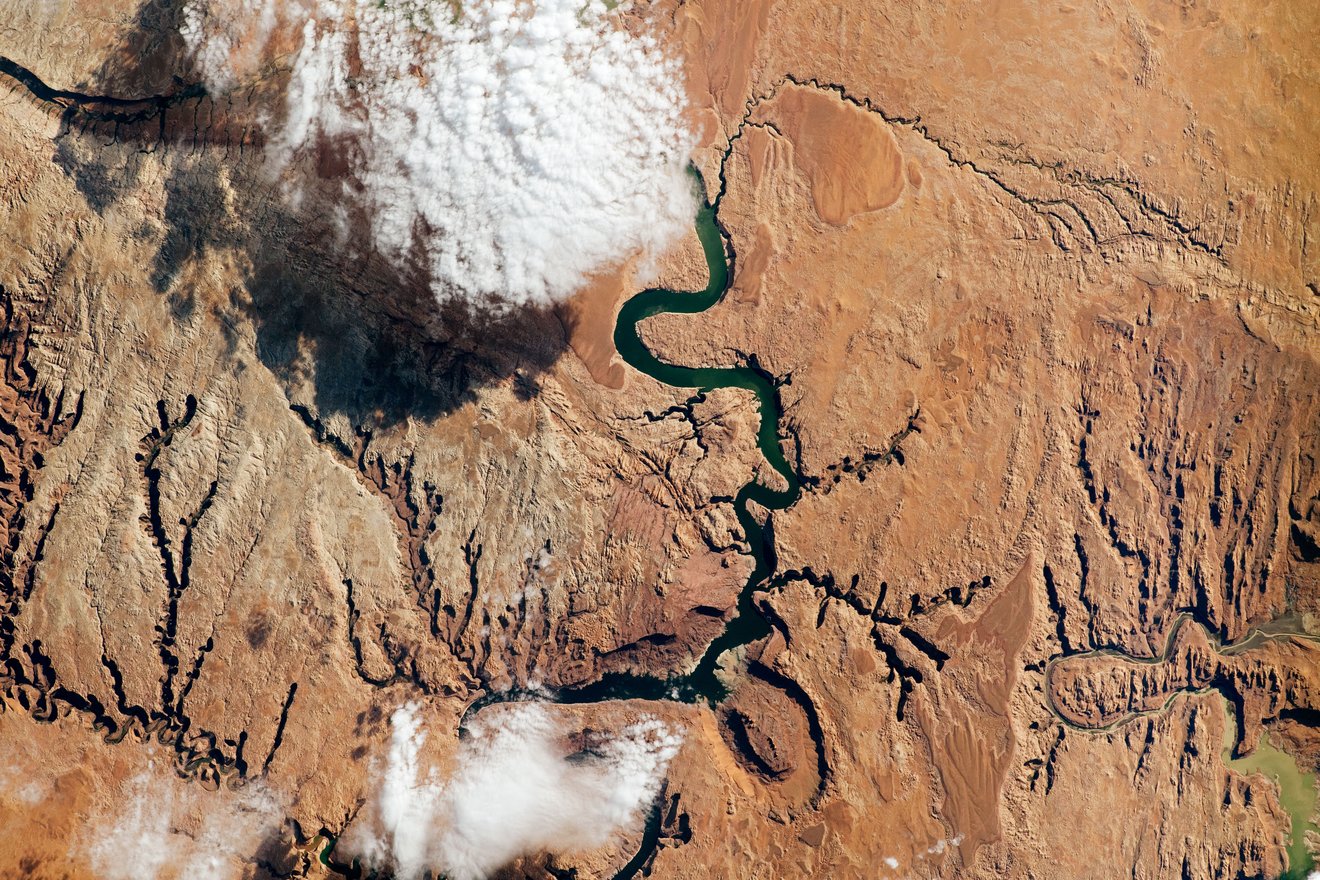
{"points": [[90, 176], [195, 219], [379, 349], [277, 856], [362, 332], [260, 626]]}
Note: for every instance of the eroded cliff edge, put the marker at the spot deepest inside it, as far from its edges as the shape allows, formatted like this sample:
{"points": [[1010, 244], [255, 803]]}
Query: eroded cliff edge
{"points": [[1040, 291]]}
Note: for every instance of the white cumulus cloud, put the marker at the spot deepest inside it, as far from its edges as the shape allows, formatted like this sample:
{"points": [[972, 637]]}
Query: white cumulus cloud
{"points": [[516, 789], [512, 147], [162, 828]]}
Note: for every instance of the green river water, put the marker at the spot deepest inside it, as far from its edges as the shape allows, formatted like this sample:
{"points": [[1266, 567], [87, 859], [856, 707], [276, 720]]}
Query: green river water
{"points": [[703, 683], [1297, 791], [747, 624], [1297, 788]]}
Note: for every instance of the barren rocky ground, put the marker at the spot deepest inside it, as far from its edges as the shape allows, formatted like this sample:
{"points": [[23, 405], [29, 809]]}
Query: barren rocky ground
{"points": [[1037, 287]]}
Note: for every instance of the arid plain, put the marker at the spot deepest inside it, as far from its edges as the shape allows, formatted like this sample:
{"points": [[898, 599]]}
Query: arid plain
{"points": [[1038, 290]]}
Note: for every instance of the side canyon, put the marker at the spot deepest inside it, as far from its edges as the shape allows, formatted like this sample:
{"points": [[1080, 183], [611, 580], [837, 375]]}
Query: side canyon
{"points": [[945, 523]]}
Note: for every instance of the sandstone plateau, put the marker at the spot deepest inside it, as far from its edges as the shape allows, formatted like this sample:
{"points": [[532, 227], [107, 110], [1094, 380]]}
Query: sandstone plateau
{"points": [[1037, 288]]}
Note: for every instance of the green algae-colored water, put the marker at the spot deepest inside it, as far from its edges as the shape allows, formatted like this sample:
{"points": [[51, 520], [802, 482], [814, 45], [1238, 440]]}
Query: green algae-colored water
{"points": [[747, 624], [1297, 791], [1297, 788]]}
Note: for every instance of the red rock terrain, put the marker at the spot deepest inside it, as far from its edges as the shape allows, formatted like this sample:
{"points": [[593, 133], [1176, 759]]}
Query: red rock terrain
{"points": [[1039, 288]]}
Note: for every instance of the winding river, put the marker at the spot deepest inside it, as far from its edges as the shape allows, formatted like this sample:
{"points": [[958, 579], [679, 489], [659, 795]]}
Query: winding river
{"points": [[747, 624], [702, 683], [1297, 787]]}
